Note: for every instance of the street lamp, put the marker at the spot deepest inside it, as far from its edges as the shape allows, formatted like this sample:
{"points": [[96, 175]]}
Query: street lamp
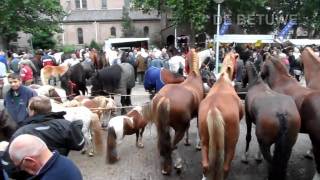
{"points": [[217, 36]]}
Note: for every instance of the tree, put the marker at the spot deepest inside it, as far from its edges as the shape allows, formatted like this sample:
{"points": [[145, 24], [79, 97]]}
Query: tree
{"points": [[43, 40], [29, 16], [128, 29]]}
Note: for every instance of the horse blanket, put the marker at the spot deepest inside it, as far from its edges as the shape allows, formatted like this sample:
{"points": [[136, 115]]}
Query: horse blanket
{"points": [[152, 78]]}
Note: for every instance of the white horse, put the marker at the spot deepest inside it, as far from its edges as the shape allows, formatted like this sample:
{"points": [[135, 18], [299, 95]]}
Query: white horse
{"points": [[52, 92], [91, 124]]}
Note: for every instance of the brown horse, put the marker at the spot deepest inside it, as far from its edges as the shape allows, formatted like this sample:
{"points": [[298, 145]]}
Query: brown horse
{"points": [[52, 71], [311, 65], [219, 116], [131, 123], [277, 122], [174, 106], [307, 101]]}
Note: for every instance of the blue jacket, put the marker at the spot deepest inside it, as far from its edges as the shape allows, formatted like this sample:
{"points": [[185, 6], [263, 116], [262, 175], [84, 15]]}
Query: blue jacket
{"points": [[58, 167], [152, 79], [17, 105]]}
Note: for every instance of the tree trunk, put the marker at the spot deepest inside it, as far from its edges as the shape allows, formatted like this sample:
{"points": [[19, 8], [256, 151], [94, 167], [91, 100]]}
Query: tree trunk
{"points": [[3, 43]]}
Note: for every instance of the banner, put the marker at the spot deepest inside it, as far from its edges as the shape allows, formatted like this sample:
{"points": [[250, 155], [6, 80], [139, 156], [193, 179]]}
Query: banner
{"points": [[284, 33], [225, 27]]}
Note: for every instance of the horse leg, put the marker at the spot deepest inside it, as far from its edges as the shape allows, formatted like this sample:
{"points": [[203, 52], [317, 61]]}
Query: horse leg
{"points": [[316, 153], [177, 138], [187, 143], [128, 98], [123, 103], [265, 150], [248, 139], [139, 138]]}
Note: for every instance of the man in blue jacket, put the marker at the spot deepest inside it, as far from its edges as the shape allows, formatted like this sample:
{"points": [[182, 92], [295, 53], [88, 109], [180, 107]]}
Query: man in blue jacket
{"points": [[17, 99], [32, 155]]}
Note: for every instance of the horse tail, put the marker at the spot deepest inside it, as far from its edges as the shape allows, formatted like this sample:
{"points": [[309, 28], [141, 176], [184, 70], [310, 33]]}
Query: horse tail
{"points": [[282, 151], [111, 156], [44, 80], [162, 122], [97, 133], [216, 131]]}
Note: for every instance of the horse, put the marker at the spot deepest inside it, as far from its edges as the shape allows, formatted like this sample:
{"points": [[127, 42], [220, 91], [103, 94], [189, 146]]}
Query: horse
{"points": [[307, 101], [104, 107], [91, 124], [155, 78], [131, 123], [174, 106], [219, 116], [52, 71], [277, 122], [50, 91], [311, 65], [118, 78], [74, 80], [7, 126]]}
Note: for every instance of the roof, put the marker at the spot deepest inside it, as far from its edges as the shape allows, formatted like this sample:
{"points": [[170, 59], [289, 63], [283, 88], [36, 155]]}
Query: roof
{"points": [[304, 42], [107, 15]]}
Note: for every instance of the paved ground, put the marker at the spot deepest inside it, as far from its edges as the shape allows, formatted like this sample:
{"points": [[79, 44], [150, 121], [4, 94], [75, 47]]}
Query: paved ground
{"points": [[143, 164]]}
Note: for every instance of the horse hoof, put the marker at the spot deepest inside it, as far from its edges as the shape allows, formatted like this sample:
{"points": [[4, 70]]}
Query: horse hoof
{"points": [[198, 147], [83, 151], [244, 160], [187, 144], [309, 155], [179, 170], [163, 172], [90, 154], [140, 145], [258, 160]]}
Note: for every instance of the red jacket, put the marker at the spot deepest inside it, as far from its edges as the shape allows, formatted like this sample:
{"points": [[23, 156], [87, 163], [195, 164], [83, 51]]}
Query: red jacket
{"points": [[26, 73]]}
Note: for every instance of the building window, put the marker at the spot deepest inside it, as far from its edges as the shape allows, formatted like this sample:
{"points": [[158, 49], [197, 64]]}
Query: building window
{"points": [[81, 4], [146, 31], [80, 35], [104, 4], [113, 31]]}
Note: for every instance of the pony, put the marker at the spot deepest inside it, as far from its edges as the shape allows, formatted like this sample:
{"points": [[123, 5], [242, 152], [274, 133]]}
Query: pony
{"points": [[91, 124], [307, 101], [174, 106], [219, 117], [104, 107], [118, 78], [131, 123], [277, 122], [7, 126], [311, 65], [50, 91], [52, 71]]}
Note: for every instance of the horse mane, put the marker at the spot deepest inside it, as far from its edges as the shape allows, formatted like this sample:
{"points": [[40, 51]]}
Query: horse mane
{"points": [[257, 79], [278, 65], [194, 65]]}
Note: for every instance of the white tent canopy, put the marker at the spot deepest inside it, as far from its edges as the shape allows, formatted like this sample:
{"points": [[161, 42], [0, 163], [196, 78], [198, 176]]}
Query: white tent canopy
{"points": [[243, 38], [304, 42], [110, 42]]}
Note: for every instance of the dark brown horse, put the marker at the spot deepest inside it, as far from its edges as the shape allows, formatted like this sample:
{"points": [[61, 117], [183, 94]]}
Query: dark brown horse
{"points": [[131, 123], [311, 65], [174, 106], [307, 101], [219, 117], [277, 122]]}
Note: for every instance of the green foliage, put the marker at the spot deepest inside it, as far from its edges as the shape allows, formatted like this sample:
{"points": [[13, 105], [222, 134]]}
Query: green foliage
{"points": [[43, 40], [67, 48], [29, 16], [94, 44], [128, 29]]}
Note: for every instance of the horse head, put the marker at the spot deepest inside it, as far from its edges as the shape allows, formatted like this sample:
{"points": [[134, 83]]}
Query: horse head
{"points": [[108, 107], [230, 64], [249, 74]]}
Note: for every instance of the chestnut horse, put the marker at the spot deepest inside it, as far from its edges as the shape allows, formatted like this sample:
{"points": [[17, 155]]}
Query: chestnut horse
{"points": [[52, 71], [277, 122], [307, 101], [311, 65], [219, 117], [131, 123], [174, 106]]}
